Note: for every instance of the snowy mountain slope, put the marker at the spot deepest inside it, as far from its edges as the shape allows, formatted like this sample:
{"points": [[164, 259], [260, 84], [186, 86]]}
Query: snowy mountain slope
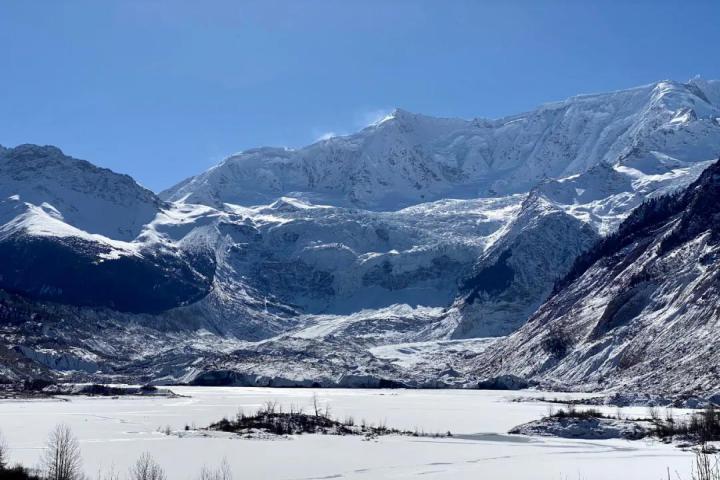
{"points": [[558, 220], [285, 255], [605, 194], [408, 158], [373, 250], [592, 158], [334, 260], [517, 273], [92, 199], [639, 310], [56, 342], [391, 346], [239, 263], [75, 233]]}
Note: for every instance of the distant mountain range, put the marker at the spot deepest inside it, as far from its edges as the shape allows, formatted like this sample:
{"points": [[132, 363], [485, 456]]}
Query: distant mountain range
{"points": [[410, 253]]}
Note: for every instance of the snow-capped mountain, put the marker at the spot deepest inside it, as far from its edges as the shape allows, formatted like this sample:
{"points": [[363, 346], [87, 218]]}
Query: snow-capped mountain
{"points": [[558, 220], [639, 310], [515, 275], [332, 236], [408, 158], [49, 188], [75, 233], [416, 234]]}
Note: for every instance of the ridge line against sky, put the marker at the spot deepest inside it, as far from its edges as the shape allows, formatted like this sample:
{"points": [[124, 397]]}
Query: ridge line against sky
{"points": [[163, 90]]}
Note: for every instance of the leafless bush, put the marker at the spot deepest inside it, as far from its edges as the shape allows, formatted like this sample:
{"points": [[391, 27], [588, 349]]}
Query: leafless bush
{"points": [[705, 465], [573, 412], [669, 416], [316, 404], [146, 468], [110, 475], [3, 453], [701, 428], [271, 407], [382, 426], [62, 460], [223, 472], [653, 413]]}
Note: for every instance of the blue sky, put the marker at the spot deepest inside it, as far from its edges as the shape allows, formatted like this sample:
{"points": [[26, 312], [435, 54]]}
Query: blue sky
{"points": [[164, 89]]}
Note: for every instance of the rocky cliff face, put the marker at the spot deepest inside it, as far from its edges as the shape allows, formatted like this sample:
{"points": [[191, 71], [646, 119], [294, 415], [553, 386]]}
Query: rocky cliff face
{"points": [[641, 309], [517, 273]]}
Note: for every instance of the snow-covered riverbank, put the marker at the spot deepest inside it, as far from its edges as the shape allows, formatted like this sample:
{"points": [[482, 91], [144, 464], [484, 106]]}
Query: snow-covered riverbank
{"points": [[116, 431]]}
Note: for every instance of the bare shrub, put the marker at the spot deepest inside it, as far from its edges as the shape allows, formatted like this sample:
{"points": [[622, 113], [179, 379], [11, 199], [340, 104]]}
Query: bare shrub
{"points": [[62, 460], [223, 472], [3, 453], [701, 428], [240, 415], [110, 475], [653, 413], [271, 407], [146, 468], [316, 404], [573, 412], [705, 465]]}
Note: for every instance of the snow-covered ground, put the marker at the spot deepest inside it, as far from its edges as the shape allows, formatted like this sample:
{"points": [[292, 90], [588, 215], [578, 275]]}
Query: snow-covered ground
{"points": [[116, 431]]}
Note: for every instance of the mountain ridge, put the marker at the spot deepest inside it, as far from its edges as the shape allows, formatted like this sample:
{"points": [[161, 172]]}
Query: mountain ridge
{"points": [[471, 148], [638, 310], [390, 250]]}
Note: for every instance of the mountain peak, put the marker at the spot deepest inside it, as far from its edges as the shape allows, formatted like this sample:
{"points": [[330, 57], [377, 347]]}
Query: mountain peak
{"points": [[31, 149], [407, 158], [85, 196], [399, 115], [29, 155], [402, 113]]}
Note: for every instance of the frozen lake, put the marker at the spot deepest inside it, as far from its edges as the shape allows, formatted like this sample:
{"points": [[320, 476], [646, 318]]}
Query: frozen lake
{"points": [[116, 431]]}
